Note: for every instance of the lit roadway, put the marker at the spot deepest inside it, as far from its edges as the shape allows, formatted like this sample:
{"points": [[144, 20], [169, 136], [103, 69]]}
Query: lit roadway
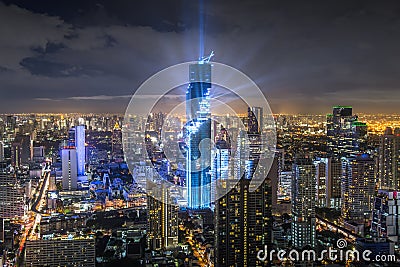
{"points": [[198, 249], [337, 229], [35, 213]]}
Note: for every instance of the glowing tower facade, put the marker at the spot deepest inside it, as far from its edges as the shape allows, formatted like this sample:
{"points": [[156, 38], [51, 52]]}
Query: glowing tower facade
{"points": [[80, 148], [198, 136]]}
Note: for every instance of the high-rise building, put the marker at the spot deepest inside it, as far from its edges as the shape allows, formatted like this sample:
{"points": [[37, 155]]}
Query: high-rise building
{"points": [[303, 203], [273, 176], [346, 135], [20, 150], [358, 187], [80, 148], [389, 160], [71, 137], [243, 216], [6, 234], [1, 151], [11, 123], [60, 252], [359, 131], [116, 149], [69, 169], [255, 119], [222, 165], [38, 154], [162, 223], [328, 179], [285, 186], [385, 218], [12, 200], [243, 224], [198, 136]]}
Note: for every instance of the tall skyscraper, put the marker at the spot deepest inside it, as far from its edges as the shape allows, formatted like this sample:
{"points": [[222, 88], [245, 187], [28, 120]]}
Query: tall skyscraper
{"points": [[385, 218], [12, 201], [162, 223], [1, 151], [359, 131], [69, 169], [255, 119], [222, 165], [303, 203], [116, 149], [328, 179], [11, 123], [346, 135], [243, 217], [389, 160], [273, 176], [20, 150], [6, 234], [243, 224], [198, 136], [80, 148], [358, 188], [71, 137]]}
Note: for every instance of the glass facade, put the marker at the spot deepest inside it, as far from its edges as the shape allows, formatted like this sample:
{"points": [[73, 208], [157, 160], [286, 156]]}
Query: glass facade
{"points": [[198, 136]]}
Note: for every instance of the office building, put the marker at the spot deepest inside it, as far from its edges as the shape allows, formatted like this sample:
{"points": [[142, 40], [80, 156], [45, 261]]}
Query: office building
{"points": [[1, 151], [285, 186], [12, 200], [358, 188], [80, 149], [376, 246], [328, 179], [60, 252], [69, 169], [360, 134], [244, 216], [20, 150], [273, 176], [11, 123], [162, 222], [389, 160], [222, 169], [6, 234], [38, 154], [385, 215], [116, 149], [198, 136], [71, 137], [346, 135], [243, 224], [255, 119], [303, 203]]}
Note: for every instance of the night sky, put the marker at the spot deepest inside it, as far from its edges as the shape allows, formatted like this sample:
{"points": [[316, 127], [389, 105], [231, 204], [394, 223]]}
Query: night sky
{"points": [[306, 56]]}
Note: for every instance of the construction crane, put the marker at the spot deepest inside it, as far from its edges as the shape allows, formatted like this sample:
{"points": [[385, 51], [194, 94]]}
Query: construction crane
{"points": [[206, 59]]}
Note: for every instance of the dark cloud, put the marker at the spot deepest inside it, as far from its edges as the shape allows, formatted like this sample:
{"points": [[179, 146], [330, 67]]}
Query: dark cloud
{"points": [[305, 55], [49, 48]]}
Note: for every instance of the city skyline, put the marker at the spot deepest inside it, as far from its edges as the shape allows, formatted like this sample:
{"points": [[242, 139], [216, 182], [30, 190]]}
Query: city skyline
{"points": [[312, 197], [91, 57], [205, 133]]}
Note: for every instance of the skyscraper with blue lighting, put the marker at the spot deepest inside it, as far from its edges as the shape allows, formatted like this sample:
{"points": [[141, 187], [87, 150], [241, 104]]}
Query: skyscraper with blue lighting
{"points": [[198, 136], [80, 148]]}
